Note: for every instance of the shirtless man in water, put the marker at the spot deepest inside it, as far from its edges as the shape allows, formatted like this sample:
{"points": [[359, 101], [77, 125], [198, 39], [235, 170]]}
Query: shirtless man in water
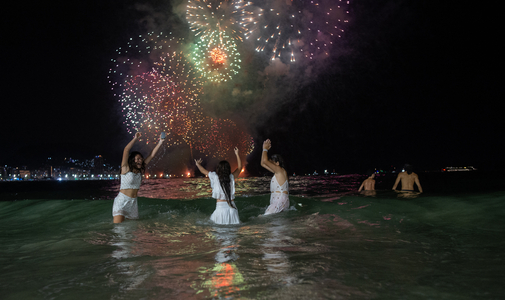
{"points": [[369, 183], [408, 178]]}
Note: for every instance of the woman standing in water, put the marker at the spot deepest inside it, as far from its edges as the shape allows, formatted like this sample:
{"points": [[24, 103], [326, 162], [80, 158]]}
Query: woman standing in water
{"points": [[279, 186], [133, 166], [223, 190]]}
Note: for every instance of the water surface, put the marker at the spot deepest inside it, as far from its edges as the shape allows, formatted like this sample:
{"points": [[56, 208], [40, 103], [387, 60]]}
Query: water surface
{"points": [[58, 242]]}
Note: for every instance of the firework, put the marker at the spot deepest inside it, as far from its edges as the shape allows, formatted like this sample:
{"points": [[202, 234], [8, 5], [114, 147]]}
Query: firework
{"points": [[181, 111], [222, 136], [300, 28], [215, 57], [157, 91], [218, 27], [233, 17]]}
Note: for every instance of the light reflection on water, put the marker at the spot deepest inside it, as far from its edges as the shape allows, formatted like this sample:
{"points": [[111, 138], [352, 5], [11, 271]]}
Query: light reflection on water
{"points": [[336, 244], [250, 261], [192, 188]]}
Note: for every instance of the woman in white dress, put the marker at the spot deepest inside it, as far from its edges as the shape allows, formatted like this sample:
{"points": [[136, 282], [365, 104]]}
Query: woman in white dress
{"points": [[279, 186], [222, 182], [132, 168]]}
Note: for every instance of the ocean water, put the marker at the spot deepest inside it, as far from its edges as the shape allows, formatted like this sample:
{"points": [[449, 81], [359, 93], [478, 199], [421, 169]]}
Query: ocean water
{"points": [[57, 241]]}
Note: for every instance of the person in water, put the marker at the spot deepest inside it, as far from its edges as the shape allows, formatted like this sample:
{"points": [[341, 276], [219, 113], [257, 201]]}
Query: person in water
{"points": [[408, 178], [279, 186], [369, 183], [133, 166], [222, 182]]}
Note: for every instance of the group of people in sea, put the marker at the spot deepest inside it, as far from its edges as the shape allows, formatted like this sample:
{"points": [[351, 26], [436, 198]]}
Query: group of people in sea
{"points": [[407, 180], [222, 182]]}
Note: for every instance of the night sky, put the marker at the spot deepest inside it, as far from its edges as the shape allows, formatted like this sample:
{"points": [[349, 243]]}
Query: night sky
{"points": [[410, 81]]}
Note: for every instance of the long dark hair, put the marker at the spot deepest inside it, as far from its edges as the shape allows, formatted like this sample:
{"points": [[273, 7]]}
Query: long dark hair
{"points": [[223, 172], [131, 162], [278, 158]]}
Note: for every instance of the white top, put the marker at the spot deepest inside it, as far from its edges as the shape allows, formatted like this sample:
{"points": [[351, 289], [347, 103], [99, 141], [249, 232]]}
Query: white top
{"points": [[130, 180], [217, 191], [276, 187]]}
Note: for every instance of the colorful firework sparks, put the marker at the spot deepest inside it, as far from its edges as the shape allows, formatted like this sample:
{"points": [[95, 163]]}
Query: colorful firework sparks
{"points": [[154, 103], [222, 136], [157, 91], [218, 56], [231, 16], [181, 112], [139, 56], [215, 56], [300, 28]]}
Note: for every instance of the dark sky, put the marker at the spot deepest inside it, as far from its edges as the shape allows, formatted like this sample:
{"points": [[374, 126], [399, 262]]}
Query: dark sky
{"points": [[416, 82]]}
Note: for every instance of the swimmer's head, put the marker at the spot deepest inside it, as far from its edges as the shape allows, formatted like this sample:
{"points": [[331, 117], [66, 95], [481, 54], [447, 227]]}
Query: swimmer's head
{"points": [[136, 161], [408, 168], [370, 173], [277, 159]]}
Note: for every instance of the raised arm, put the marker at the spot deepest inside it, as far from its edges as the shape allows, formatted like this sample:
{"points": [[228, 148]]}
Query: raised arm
{"points": [[153, 153], [202, 169], [236, 173], [126, 153], [265, 162]]}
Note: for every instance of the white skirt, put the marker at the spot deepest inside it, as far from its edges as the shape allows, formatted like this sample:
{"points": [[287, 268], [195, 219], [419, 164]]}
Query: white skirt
{"points": [[125, 206], [224, 214]]}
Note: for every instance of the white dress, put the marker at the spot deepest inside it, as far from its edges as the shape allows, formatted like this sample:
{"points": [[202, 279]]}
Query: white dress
{"points": [[224, 214], [279, 197]]}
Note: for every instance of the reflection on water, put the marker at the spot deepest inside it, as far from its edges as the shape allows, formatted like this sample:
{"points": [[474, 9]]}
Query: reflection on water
{"points": [[122, 241], [225, 280], [129, 274], [275, 259], [161, 258], [192, 188], [226, 237], [407, 194], [342, 246], [192, 261], [369, 193]]}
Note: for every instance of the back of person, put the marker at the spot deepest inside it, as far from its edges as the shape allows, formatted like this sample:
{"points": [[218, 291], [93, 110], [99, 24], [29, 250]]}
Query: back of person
{"points": [[279, 185], [276, 187], [369, 184], [217, 190], [408, 180], [223, 190]]}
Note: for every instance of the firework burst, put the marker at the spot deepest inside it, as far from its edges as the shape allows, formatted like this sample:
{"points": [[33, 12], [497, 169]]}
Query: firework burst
{"points": [[216, 58], [157, 91], [300, 28], [221, 136], [218, 27], [231, 16]]}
